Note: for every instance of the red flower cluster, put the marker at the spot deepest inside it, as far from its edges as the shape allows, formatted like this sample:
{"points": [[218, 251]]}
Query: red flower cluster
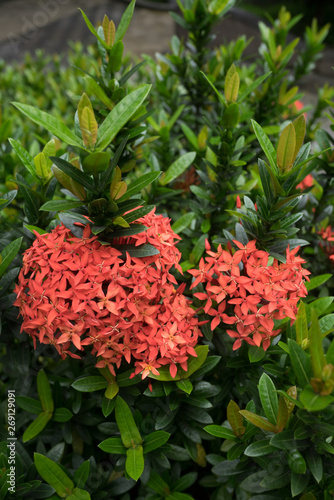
{"points": [[243, 290], [78, 292], [328, 241]]}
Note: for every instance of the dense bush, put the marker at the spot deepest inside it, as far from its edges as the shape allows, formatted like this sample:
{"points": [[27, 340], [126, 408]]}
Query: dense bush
{"points": [[165, 299]]}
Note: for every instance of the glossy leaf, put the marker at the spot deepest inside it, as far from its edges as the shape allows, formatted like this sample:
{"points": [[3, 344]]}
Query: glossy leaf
{"points": [[155, 440], [220, 431], [129, 432], [8, 254], [134, 464], [266, 145], [125, 21], [317, 281], [301, 324], [44, 392], [301, 363], [73, 172], [286, 147], [259, 448], [119, 116], [258, 421], [313, 401], [90, 383], [269, 399], [50, 123], [36, 426], [183, 222], [235, 419], [54, 475], [139, 184], [299, 125], [58, 205], [113, 445], [318, 359], [25, 157], [177, 168]]}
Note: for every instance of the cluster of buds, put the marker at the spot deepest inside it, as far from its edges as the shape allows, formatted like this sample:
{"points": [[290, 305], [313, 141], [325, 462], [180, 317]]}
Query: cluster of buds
{"points": [[242, 290], [75, 292]]}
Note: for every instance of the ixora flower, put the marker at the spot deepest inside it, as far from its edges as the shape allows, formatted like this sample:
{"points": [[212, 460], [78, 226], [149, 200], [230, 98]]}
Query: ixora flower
{"points": [[242, 290], [75, 292], [306, 183], [327, 235]]}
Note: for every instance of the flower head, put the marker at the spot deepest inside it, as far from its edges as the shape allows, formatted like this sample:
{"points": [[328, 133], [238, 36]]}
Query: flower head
{"points": [[243, 291], [75, 292]]}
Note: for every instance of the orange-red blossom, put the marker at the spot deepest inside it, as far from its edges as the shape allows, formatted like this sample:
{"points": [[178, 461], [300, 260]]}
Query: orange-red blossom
{"points": [[242, 290], [76, 292]]}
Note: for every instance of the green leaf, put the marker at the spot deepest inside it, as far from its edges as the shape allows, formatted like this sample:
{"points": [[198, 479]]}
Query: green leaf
{"points": [[73, 172], [286, 147], [113, 445], [129, 432], [266, 145], [269, 399], [299, 125], [36, 426], [139, 184], [285, 440], [9, 253], [299, 483], [318, 360], [141, 251], [81, 474], [155, 440], [301, 363], [183, 222], [54, 475], [185, 385], [317, 281], [314, 462], [313, 401], [220, 431], [25, 157], [319, 305], [58, 205], [29, 404], [259, 448], [255, 353], [296, 462], [232, 83], [35, 228], [7, 198], [111, 390], [93, 30], [134, 464], [79, 494], [252, 87], [44, 391], [220, 97], [62, 415], [90, 383], [125, 21], [301, 324], [119, 116], [177, 168], [258, 421], [50, 123]]}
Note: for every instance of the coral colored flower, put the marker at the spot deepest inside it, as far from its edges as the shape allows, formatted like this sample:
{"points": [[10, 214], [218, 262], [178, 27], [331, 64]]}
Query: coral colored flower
{"points": [[76, 292], [327, 245], [306, 183], [242, 290]]}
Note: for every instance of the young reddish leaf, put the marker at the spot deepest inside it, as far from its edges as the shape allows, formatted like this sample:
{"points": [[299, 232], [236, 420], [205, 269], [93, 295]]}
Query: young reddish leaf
{"points": [[282, 414], [235, 419], [260, 422]]}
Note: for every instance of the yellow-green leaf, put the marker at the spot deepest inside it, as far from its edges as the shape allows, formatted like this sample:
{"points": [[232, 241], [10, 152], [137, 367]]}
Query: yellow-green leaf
{"points": [[111, 390], [42, 169], [87, 121], [301, 325], [286, 147], [109, 31], [292, 391], [232, 84], [299, 125]]}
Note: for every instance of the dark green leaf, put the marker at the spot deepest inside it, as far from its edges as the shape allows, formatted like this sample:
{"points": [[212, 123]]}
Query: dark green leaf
{"points": [[90, 383]]}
